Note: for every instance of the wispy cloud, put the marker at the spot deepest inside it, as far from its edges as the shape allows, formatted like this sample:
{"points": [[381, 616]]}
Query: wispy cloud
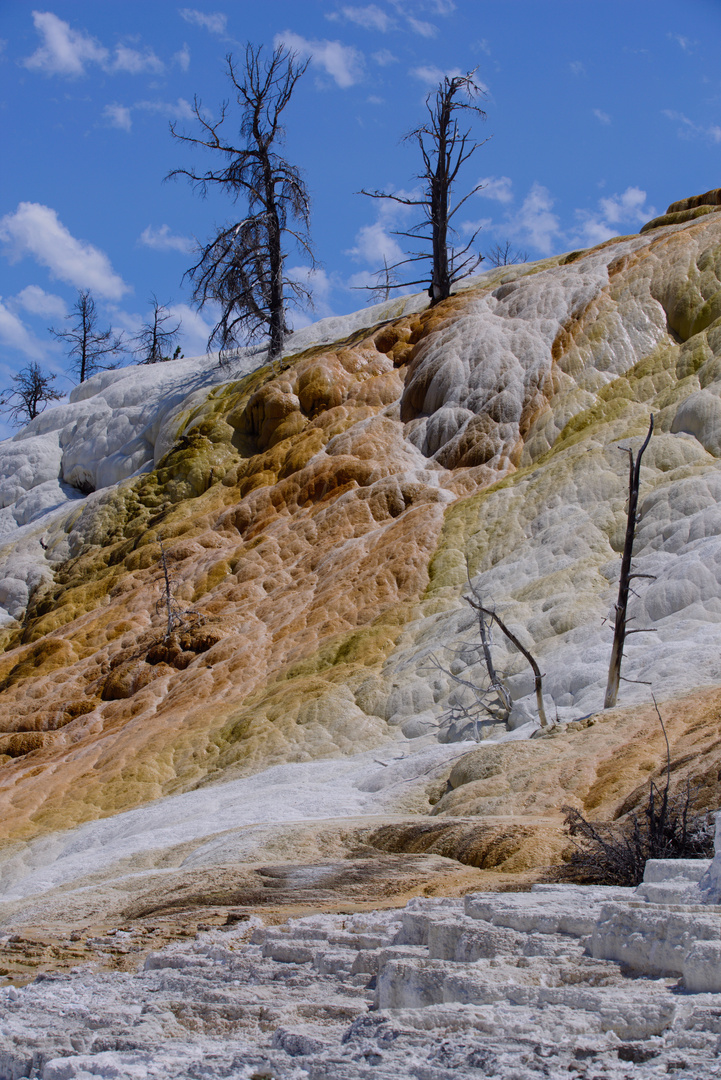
{"points": [[36, 301], [534, 223], [370, 17], [384, 57], [214, 22], [63, 51], [120, 116], [497, 187], [36, 230], [374, 243], [195, 330], [689, 130], [577, 67], [601, 116], [135, 62], [15, 335], [162, 239], [68, 52], [683, 42], [424, 29], [182, 58], [343, 63], [616, 212], [431, 75]]}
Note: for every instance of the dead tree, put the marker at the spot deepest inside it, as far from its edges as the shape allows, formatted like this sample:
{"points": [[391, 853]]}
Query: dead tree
{"points": [[494, 698], [241, 267], [32, 391], [154, 340], [386, 279], [505, 255], [444, 148], [90, 347], [490, 699], [620, 630], [537, 676], [168, 605]]}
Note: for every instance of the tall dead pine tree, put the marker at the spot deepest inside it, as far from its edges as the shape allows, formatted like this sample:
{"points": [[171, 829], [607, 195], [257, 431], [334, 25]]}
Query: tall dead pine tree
{"points": [[241, 267], [620, 630], [444, 148]]}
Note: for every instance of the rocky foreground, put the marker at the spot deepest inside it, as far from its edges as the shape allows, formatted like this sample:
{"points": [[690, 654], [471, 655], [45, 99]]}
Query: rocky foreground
{"points": [[561, 981]]}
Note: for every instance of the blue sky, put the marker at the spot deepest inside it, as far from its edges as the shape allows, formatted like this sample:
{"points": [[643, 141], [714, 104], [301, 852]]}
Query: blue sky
{"points": [[599, 113]]}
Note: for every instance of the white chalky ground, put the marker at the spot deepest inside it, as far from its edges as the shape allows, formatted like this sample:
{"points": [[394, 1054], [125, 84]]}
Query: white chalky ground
{"points": [[563, 981]]}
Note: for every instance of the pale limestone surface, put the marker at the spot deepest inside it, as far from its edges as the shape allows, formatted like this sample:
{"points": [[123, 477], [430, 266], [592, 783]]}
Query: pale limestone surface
{"points": [[513, 986]]}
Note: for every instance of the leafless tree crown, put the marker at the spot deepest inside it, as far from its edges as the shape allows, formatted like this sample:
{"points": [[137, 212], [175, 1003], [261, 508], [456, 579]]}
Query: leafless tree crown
{"points": [[90, 348], [155, 338], [505, 254], [444, 147], [31, 392], [241, 267]]}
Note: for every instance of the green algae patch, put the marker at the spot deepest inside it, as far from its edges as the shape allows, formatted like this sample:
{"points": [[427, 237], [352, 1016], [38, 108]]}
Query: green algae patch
{"points": [[678, 217]]}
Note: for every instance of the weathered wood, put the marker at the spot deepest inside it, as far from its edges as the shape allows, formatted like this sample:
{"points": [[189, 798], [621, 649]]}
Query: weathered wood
{"points": [[620, 630]]}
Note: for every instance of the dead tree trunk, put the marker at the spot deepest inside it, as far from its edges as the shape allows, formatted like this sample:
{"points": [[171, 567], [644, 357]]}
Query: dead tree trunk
{"points": [[621, 631], [537, 676]]}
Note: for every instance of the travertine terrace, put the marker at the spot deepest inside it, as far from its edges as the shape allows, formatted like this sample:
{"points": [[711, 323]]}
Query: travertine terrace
{"points": [[320, 516]]}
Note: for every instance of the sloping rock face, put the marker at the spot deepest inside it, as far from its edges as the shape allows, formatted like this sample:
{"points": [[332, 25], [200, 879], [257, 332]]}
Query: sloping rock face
{"points": [[319, 523]]}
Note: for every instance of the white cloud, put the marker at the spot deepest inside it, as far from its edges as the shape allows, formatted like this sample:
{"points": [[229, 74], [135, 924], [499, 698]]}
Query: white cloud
{"points": [[601, 116], [319, 284], [425, 29], [497, 187], [182, 58], [135, 62], [370, 17], [176, 110], [34, 229], [16, 335], [38, 302], [374, 244], [691, 130], [577, 67], [685, 43], [470, 227], [384, 57], [483, 46], [162, 239], [615, 212], [432, 75], [626, 207], [118, 116], [343, 63], [194, 332], [215, 22], [64, 51], [67, 52], [373, 99], [534, 223]]}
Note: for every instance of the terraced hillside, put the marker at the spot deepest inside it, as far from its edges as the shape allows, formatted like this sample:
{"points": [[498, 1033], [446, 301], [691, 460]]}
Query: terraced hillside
{"points": [[318, 523]]}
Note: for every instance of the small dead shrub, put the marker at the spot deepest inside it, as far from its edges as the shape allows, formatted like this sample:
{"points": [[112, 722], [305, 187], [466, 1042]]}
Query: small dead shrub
{"points": [[616, 853]]}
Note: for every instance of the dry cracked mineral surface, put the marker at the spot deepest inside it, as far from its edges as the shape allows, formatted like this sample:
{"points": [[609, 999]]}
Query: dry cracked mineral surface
{"points": [[267, 845]]}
